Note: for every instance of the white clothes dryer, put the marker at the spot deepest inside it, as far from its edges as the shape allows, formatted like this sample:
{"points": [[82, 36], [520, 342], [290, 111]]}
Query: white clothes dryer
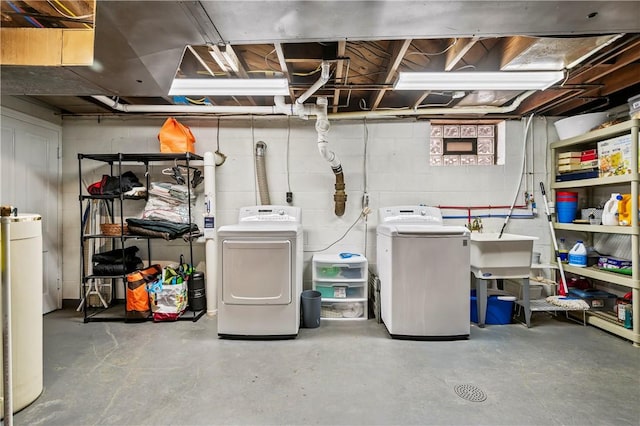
{"points": [[424, 273], [260, 274]]}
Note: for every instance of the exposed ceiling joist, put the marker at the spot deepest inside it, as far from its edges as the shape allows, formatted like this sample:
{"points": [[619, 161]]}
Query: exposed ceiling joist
{"points": [[458, 50], [398, 51]]}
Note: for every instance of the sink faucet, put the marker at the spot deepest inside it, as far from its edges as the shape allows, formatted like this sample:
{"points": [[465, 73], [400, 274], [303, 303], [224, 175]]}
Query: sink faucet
{"points": [[476, 225]]}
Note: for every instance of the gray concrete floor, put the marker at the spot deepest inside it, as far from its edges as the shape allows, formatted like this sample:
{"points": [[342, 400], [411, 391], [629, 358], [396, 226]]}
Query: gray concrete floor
{"points": [[555, 373]]}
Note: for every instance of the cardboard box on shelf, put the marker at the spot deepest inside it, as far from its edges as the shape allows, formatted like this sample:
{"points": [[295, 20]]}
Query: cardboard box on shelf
{"points": [[614, 156], [589, 154], [589, 164], [572, 160], [571, 154]]}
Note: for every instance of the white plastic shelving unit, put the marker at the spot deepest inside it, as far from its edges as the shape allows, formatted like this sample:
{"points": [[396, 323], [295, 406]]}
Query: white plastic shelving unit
{"points": [[630, 182], [343, 284]]}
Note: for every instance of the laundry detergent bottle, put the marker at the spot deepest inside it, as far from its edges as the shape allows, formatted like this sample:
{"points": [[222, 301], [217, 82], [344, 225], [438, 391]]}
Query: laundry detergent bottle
{"points": [[624, 210], [610, 212]]}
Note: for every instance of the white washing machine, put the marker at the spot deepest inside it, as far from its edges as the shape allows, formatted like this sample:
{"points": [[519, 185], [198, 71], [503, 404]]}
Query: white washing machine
{"points": [[260, 274], [423, 268]]}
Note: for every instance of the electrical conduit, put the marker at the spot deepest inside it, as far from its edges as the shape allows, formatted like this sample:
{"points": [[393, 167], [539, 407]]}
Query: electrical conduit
{"points": [[261, 173]]}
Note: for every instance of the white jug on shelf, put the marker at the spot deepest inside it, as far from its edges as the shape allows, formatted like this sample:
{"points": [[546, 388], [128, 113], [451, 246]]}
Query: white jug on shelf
{"points": [[610, 212]]}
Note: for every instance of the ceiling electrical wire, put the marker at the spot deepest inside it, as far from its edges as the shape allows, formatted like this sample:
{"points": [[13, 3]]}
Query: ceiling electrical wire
{"points": [[306, 74], [266, 61], [455, 40], [200, 101], [22, 12], [69, 14]]}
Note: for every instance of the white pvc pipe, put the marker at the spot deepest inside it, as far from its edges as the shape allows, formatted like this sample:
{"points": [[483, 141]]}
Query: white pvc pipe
{"points": [[324, 77], [172, 109], [210, 245], [7, 361]]}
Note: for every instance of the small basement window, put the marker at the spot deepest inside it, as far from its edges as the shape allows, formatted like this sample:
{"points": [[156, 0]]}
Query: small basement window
{"points": [[464, 143]]}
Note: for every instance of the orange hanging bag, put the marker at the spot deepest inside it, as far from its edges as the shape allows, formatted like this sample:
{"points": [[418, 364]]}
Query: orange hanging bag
{"points": [[175, 137]]}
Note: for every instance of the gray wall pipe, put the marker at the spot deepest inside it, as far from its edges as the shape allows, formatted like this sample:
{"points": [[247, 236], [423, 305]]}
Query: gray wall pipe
{"points": [[261, 173]]}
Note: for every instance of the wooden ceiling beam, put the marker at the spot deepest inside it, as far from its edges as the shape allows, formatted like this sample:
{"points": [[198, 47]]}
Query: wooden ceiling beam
{"points": [[626, 77], [342, 47], [398, 50], [283, 66], [458, 50], [551, 99], [601, 70], [619, 55]]}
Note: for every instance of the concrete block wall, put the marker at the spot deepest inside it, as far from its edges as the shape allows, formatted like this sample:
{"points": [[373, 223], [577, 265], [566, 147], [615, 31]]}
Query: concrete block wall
{"points": [[397, 173]]}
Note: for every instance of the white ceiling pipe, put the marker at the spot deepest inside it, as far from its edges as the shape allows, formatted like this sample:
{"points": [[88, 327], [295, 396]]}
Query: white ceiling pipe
{"points": [[324, 77], [482, 110], [304, 111], [172, 109]]}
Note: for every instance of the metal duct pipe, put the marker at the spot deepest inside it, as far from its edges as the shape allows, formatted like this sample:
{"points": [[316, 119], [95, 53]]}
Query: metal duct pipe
{"points": [[261, 173], [322, 127]]}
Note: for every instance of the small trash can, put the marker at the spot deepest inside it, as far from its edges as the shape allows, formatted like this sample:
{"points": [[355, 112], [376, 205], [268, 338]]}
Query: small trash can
{"points": [[311, 300]]}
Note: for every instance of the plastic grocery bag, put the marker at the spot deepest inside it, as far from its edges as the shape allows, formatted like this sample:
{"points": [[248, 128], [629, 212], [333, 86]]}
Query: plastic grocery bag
{"points": [[176, 137]]}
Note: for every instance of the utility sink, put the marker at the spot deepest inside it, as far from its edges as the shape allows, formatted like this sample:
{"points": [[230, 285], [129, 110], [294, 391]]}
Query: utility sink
{"points": [[506, 257]]}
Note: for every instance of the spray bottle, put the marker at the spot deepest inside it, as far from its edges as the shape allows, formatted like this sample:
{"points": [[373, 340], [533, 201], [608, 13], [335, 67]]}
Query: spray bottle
{"points": [[562, 251]]}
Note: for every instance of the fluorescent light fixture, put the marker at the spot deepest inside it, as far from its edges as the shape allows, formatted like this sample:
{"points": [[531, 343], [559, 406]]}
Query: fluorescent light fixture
{"points": [[225, 57], [514, 80], [229, 87]]}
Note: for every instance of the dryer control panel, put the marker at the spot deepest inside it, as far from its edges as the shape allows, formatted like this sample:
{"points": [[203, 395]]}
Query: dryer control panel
{"points": [[270, 213]]}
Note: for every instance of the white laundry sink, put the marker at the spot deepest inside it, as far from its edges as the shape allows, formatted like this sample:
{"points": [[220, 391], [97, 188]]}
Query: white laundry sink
{"points": [[506, 257]]}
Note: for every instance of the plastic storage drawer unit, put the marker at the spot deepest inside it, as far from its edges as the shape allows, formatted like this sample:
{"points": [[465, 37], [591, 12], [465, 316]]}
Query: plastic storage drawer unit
{"points": [[342, 283]]}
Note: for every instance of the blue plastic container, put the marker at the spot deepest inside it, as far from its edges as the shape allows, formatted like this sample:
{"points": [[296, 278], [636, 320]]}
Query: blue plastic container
{"points": [[498, 311], [566, 206]]}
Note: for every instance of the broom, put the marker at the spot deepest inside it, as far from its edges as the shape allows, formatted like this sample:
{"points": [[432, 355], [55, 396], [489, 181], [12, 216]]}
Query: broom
{"points": [[564, 301], [563, 290]]}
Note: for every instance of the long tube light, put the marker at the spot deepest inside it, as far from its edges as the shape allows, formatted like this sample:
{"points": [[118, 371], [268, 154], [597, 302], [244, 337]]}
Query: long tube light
{"points": [[513, 80], [229, 87]]}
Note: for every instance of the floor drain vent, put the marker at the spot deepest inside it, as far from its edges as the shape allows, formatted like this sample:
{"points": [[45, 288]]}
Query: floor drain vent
{"points": [[470, 393]]}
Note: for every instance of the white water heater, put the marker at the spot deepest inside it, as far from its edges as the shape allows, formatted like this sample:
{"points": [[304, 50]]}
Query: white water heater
{"points": [[25, 253]]}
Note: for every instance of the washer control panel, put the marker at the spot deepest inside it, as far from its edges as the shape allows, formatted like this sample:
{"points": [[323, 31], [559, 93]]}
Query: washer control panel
{"points": [[412, 214]]}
